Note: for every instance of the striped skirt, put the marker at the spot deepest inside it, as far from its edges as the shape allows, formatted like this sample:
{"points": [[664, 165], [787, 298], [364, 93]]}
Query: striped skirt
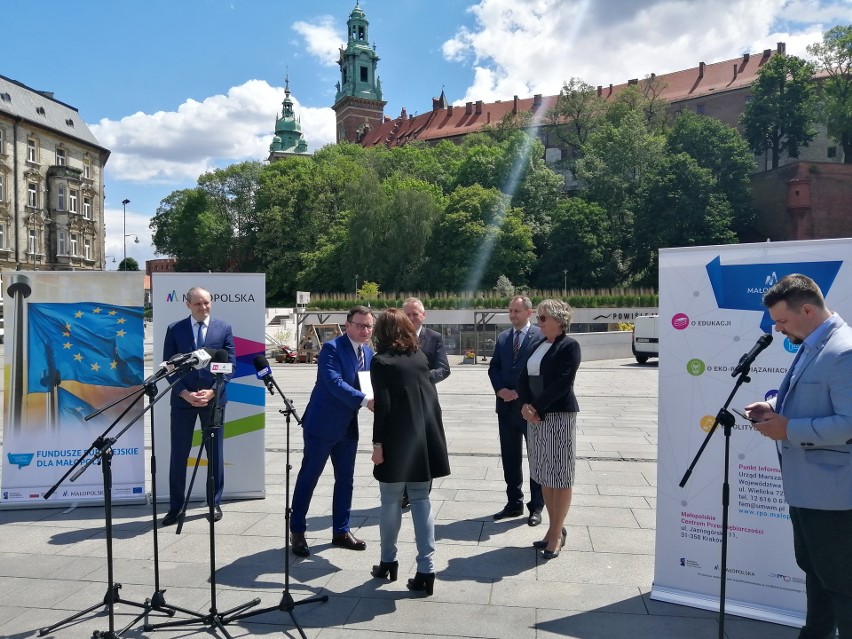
{"points": [[550, 449]]}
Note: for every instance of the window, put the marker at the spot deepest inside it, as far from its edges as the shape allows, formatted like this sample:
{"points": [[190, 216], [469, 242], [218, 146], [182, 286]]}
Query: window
{"points": [[87, 208], [73, 196], [60, 157], [32, 194], [699, 109], [32, 150], [87, 168], [73, 244], [2, 189], [2, 142], [2, 236], [60, 197], [32, 243], [364, 74], [87, 248], [832, 152], [61, 241]]}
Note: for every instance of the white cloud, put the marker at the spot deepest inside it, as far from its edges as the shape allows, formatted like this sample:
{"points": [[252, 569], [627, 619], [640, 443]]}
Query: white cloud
{"points": [[525, 47], [178, 146], [323, 39]]}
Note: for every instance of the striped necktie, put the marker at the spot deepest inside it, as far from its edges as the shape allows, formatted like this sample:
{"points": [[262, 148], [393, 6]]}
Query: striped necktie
{"points": [[361, 365], [516, 345]]}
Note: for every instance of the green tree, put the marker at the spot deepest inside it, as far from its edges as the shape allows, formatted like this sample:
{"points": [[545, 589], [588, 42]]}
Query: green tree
{"points": [[834, 56], [720, 149], [577, 254], [577, 113], [680, 205], [128, 264], [643, 97], [779, 117]]}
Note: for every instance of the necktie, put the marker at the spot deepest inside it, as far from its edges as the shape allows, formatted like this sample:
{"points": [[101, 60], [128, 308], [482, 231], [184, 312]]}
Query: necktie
{"points": [[199, 340], [516, 345], [361, 365]]}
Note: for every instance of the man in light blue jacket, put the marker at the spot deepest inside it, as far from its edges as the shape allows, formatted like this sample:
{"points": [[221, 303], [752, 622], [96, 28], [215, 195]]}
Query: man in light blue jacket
{"points": [[811, 421]]}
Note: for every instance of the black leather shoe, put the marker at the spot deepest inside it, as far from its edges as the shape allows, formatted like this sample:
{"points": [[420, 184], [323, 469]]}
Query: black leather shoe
{"points": [[534, 518], [422, 582], [171, 518], [217, 513], [509, 511], [349, 541], [543, 543], [299, 545]]}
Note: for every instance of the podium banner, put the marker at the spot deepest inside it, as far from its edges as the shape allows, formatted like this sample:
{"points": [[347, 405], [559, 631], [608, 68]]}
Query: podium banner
{"points": [[711, 314], [240, 300], [74, 343]]}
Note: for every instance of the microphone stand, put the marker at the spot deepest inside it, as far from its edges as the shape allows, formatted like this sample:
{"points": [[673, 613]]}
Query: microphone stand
{"points": [[286, 604], [101, 448], [727, 420], [210, 434]]}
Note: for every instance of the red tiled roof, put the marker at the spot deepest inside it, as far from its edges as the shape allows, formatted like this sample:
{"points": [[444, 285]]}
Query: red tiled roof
{"points": [[455, 121]]}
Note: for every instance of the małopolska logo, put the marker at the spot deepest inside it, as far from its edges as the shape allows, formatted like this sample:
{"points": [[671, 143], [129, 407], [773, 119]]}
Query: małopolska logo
{"points": [[172, 297], [680, 321]]}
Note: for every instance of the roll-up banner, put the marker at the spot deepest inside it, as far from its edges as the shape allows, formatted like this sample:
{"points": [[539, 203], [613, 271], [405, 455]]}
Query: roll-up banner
{"points": [[240, 300], [74, 343], [711, 314]]}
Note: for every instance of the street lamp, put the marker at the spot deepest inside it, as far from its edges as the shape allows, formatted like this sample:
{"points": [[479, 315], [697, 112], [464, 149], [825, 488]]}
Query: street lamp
{"points": [[106, 257], [135, 240], [124, 204], [564, 281], [356, 285]]}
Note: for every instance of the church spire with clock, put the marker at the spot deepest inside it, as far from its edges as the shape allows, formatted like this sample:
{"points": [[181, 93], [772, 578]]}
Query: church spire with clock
{"points": [[358, 102]]}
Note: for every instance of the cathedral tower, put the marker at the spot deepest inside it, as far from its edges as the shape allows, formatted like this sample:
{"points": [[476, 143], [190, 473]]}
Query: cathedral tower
{"points": [[358, 103]]}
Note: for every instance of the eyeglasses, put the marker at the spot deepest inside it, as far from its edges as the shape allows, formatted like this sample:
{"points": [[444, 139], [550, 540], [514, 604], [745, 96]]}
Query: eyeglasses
{"points": [[541, 318], [363, 327]]}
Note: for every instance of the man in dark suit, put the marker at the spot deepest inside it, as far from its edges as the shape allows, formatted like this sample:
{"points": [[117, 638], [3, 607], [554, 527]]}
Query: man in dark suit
{"points": [[193, 396], [330, 430], [510, 356], [810, 421], [430, 341]]}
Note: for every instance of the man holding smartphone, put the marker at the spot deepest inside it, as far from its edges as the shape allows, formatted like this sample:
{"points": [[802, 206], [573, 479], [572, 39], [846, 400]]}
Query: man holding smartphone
{"points": [[811, 421]]}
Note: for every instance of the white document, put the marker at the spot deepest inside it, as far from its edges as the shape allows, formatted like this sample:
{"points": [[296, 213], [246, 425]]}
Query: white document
{"points": [[365, 383]]}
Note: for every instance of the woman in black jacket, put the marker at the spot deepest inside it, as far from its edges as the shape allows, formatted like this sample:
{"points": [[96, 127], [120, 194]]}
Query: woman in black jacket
{"points": [[548, 403], [409, 447]]}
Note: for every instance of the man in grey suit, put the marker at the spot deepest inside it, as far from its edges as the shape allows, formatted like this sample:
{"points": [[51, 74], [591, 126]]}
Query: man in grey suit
{"points": [[811, 421], [430, 341]]}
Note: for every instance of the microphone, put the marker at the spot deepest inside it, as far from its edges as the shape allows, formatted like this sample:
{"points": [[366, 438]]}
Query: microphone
{"points": [[195, 359], [221, 365], [264, 372], [746, 360]]}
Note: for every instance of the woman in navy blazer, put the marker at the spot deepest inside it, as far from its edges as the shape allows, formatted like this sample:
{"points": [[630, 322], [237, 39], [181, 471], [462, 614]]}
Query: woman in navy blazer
{"points": [[548, 403]]}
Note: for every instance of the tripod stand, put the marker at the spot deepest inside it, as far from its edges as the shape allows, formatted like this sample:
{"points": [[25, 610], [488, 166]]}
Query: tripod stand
{"points": [[210, 436], [102, 449], [287, 603]]}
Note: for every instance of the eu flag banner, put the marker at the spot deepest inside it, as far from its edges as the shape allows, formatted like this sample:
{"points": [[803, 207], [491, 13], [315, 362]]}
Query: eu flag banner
{"points": [[88, 342]]}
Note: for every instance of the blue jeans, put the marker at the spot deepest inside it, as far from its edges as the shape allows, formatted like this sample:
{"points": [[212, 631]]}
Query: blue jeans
{"points": [[390, 519]]}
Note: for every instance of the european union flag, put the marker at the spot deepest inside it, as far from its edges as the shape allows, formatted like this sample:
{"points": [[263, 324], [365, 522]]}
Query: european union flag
{"points": [[89, 342], [72, 408]]}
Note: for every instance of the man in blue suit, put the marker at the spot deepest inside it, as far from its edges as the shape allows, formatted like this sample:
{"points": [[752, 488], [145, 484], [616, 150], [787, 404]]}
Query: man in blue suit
{"points": [[811, 421], [193, 396], [330, 430], [510, 356]]}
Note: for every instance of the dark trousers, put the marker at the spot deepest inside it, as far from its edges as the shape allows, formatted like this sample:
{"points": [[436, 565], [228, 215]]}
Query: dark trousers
{"points": [[182, 428], [316, 454], [822, 540], [513, 435]]}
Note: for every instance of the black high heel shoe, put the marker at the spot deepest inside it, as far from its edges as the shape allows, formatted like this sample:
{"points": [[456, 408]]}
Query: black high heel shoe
{"points": [[422, 581], [386, 570], [543, 543]]}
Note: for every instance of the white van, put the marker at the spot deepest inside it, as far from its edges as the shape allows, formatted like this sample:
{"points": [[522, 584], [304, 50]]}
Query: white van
{"points": [[646, 337]]}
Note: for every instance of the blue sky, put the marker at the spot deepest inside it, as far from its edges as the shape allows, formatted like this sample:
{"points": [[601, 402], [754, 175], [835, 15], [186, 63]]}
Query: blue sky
{"points": [[177, 87]]}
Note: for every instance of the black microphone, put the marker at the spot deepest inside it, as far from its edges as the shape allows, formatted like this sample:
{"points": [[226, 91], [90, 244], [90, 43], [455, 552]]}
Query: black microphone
{"points": [[264, 372], [746, 360]]}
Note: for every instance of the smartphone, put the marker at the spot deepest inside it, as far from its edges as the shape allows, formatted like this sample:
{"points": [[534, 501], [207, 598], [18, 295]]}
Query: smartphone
{"points": [[744, 416]]}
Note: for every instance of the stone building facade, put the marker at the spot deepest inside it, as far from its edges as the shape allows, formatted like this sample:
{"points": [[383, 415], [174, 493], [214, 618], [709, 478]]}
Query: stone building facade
{"points": [[51, 184]]}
